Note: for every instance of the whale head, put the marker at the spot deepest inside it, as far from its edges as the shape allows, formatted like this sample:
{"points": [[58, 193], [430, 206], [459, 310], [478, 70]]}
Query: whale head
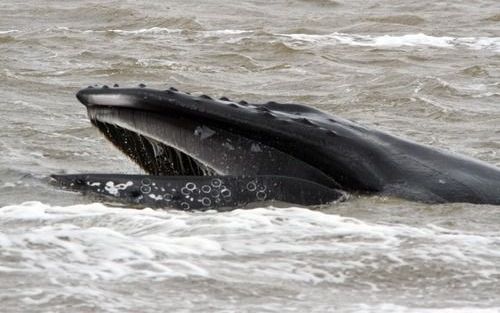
{"points": [[167, 132]]}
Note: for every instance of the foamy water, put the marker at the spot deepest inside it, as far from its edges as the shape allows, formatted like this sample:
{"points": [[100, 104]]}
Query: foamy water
{"points": [[235, 35], [405, 40], [292, 248]]}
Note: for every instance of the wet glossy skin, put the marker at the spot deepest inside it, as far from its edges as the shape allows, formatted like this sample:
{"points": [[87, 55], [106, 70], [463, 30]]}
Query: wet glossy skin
{"points": [[199, 192], [355, 158]]}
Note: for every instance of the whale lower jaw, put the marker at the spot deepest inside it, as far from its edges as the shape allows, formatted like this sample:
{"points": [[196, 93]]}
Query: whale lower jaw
{"points": [[177, 180], [199, 192]]}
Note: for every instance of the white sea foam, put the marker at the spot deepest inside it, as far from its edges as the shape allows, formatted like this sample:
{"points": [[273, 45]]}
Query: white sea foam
{"points": [[10, 31], [224, 32], [163, 30], [152, 30], [96, 244], [155, 31], [335, 38], [394, 41], [393, 308], [113, 241]]}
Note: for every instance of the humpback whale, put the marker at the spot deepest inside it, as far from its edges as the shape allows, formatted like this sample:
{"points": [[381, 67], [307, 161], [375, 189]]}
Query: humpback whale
{"points": [[205, 153]]}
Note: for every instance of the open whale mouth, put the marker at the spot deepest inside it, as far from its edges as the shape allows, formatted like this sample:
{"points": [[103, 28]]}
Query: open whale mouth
{"points": [[153, 156], [198, 153], [150, 138]]}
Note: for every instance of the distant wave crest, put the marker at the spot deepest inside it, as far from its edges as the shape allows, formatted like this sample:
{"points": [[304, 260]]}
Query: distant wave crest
{"points": [[491, 43]]}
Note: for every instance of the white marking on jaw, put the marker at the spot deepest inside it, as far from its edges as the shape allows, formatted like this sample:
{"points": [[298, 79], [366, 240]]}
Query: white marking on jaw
{"points": [[114, 190], [255, 147], [156, 197], [228, 146], [112, 99], [204, 132]]}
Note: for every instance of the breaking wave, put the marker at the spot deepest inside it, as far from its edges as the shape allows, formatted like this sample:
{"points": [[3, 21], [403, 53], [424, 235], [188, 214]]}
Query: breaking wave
{"points": [[335, 38], [95, 244]]}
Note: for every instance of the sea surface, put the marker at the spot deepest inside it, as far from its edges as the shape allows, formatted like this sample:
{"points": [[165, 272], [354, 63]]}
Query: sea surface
{"points": [[424, 70]]}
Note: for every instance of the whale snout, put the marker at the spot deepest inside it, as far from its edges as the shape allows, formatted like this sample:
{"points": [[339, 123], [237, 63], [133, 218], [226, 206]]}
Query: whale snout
{"points": [[108, 97], [83, 96], [68, 181]]}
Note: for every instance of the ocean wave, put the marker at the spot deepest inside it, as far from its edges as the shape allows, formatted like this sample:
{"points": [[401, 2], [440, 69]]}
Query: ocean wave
{"points": [[394, 41], [100, 242], [224, 32], [394, 308], [10, 31], [50, 251], [335, 38], [154, 31]]}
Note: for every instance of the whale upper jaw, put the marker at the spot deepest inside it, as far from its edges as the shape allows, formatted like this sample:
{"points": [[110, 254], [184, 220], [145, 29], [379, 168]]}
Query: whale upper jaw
{"points": [[181, 134], [269, 120]]}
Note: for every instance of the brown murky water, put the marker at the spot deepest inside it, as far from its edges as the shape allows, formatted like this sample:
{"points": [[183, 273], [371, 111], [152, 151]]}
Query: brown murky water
{"points": [[429, 71]]}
